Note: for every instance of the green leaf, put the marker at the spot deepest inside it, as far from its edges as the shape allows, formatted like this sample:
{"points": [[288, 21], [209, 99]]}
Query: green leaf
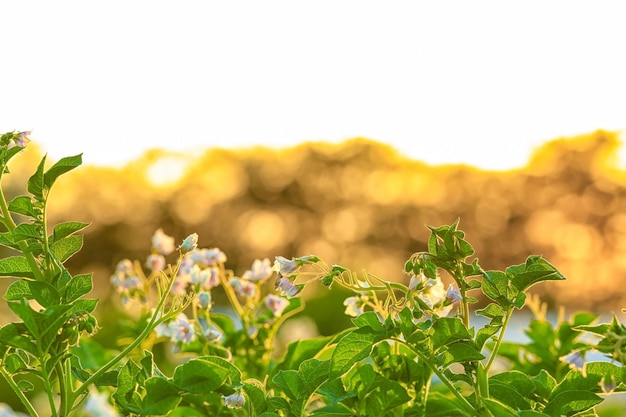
{"points": [[186, 412], [15, 363], [23, 205], [369, 319], [18, 290], [353, 347], [535, 270], [571, 402], [44, 293], [205, 374], [313, 372], [78, 286], [161, 397], [36, 183], [301, 350], [25, 386], [498, 409], [62, 230], [28, 316], [26, 231], [256, 395], [13, 334], [447, 330], [460, 352], [61, 167], [63, 249], [15, 266], [290, 383], [439, 405]]}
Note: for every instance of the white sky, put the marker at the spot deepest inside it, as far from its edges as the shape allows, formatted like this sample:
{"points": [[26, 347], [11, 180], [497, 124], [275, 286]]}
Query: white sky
{"points": [[480, 82]]}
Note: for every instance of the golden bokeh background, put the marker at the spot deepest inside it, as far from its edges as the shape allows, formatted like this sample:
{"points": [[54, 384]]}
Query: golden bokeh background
{"points": [[359, 204]]}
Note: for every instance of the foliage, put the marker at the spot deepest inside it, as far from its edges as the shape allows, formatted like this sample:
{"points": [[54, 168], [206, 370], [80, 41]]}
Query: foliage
{"points": [[415, 349]]}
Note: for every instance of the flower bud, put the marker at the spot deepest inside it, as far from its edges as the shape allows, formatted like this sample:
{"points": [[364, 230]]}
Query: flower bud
{"points": [[190, 243]]}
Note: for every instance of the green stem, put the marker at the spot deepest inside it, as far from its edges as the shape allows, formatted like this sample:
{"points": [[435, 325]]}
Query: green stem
{"points": [[232, 298], [267, 355], [466, 404], [48, 386], [18, 392], [155, 320], [496, 347]]}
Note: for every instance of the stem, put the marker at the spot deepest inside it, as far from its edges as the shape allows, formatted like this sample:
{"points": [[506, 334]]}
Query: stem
{"points": [[232, 298], [155, 320], [18, 392], [48, 387], [466, 404], [272, 335], [496, 347]]}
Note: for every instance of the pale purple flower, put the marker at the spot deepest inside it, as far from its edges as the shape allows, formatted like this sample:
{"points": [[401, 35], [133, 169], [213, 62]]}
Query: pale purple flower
{"points": [[261, 269], [155, 262], [21, 140], [206, 278], [212, 335], [276, 304], [355, 306], [453, 295], [287, 287], [189, 244], [162, 243], [182, 329], [208, 257], [234, 400], [285, 266], [243, 287], [125, 266]]}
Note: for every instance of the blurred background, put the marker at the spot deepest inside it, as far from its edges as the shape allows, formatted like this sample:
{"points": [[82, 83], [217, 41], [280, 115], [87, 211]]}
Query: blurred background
{"points": [[360, 204]]}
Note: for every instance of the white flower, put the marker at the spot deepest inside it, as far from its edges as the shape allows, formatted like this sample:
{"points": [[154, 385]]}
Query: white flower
{"points": [[261, 269], [234, 400], [355, 306], [162, 243]]}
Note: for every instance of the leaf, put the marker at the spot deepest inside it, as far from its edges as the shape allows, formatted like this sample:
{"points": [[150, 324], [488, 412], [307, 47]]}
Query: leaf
{"points": [[161, 397], [313, 372], [186, 412], [36, 183], [78, 286], [63, 249], [44, 293], [61, 167], [301, 350], [18, 290], [13, 335], [256, 395], [28, 316], [353, 347], [15, 266], [368, 319], [571, 402], [498, 409], [290, 383], [460, 352], [23, 205], [62, 230], [448, 330], [536, 270], [203, 375], [26, 231]]}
